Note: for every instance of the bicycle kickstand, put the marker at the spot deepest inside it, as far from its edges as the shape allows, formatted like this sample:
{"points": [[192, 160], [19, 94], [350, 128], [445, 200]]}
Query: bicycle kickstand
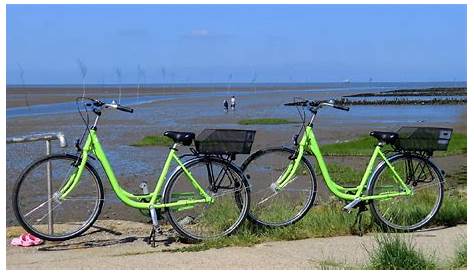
{"points": [[155, 228], [152, 238], [362, 207]]}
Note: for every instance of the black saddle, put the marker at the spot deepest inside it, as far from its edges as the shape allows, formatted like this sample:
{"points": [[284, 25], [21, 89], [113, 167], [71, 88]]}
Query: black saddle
{"points": [[184, 138], [386, 137]]}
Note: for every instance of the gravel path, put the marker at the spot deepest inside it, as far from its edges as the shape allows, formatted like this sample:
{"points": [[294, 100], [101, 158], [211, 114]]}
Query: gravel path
{"points": [[120, 245]]}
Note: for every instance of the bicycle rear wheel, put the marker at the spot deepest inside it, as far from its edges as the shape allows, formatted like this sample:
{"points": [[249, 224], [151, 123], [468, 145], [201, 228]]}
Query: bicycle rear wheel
{"points": [[284, 207], [412, 212], [203, 221], [51, 217]]}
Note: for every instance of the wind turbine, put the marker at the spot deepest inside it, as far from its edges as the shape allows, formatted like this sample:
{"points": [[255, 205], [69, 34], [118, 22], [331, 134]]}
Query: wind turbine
{"points": [[22, 78], [83, 70], [254, 79], [141, 74], [229, 78], [163, 75], [118, 72]]}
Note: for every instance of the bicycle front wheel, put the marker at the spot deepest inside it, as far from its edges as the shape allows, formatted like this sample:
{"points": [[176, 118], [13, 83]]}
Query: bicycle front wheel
{"points": [[273, 208], [40, 209], [411, 212], [203, 221]]}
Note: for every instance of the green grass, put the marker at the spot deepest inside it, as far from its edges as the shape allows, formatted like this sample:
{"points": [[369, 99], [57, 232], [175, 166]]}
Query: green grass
{"points": [[343, 174], [328, 220], [329, 264], [265, 121], [457, 178], [153, 140], [395, 253], [364, 146], [454, 209], [460, 260], [325, 220]]}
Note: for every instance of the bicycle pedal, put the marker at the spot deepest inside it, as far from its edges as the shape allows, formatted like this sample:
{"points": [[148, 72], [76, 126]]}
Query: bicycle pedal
{"points": [[351, 205]]}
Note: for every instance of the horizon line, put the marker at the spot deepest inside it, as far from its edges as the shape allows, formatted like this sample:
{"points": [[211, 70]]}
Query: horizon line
{"points": [[227, 83]]}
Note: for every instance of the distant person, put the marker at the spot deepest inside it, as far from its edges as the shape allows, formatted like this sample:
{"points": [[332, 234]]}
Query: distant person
{"points": [[226, 105], [232, 102]]}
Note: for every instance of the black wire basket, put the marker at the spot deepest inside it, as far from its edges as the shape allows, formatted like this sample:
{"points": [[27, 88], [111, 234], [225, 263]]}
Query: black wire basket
{"points": [[225, 141], [424, 138]]}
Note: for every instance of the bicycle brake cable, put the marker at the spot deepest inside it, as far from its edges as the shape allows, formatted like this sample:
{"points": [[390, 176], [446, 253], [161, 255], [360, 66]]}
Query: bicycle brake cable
{"points": [[85, 120], [302, 115]]}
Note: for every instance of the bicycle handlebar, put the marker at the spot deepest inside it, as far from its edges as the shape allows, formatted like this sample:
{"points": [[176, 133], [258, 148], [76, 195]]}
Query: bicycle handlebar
{"points": [[300, 103], [120, 107], [114, 105], [341, 107]]}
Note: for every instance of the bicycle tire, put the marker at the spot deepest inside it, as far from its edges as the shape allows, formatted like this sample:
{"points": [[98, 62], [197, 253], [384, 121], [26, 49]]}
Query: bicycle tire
{"points": [[22, 179], [416, 207], [257, 218], [240, 197]]}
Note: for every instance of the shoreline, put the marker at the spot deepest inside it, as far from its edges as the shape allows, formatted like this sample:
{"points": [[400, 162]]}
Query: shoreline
{"points": [[29, 96]]}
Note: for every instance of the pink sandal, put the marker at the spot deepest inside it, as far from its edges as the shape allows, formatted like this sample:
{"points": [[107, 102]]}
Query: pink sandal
{"points": [[26, 239]]}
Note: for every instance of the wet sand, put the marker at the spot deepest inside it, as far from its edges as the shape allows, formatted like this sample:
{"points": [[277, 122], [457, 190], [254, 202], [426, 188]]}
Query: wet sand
{"points": [[136, 164], [24, 96]]}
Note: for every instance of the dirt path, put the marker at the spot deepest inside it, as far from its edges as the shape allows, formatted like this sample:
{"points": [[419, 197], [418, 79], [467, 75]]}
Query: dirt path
{"points": [[120, 245]]}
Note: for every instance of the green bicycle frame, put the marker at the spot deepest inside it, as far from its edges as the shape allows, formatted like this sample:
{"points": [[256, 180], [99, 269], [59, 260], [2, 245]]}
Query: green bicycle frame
{"points": [[145, 201], [309, 144]]}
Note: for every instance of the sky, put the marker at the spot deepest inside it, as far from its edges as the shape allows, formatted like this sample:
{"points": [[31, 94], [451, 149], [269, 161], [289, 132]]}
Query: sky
{"points": [[69, 44]]}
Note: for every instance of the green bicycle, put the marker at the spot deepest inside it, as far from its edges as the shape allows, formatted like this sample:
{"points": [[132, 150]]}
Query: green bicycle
{"points": [[203, 198], [404, 190]]}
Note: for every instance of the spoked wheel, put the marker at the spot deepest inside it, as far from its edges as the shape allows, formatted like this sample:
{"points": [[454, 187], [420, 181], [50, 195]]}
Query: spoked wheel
{"points": [[407, 213], [203, 221], [284, 207], [43, 213]]}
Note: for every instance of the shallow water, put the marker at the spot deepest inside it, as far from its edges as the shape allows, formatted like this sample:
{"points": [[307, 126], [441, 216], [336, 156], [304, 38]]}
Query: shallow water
{"points": [[325, 90]]}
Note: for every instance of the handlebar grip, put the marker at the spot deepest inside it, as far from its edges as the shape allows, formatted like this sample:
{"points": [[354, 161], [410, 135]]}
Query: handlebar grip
{"points": [[342, 108], [124, 108]]}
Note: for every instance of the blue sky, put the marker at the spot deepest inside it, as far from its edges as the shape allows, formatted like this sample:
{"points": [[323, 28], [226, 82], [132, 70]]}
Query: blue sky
{"points": [[218, 43]]}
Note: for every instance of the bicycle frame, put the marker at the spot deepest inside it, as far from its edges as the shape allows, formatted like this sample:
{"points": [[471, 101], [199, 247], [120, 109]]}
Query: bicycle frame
{"points": [[145, 201], [309, 144]]}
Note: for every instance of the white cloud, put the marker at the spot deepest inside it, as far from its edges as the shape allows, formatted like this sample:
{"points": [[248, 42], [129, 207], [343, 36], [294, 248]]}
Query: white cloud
{"points": [[200, 33]]}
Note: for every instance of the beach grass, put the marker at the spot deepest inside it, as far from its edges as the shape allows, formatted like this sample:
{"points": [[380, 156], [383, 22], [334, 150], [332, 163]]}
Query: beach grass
{"points": [[364, 146], [327, 220], [460, 259], [394, 252], [154, 140], [457, 178], [265, 121]]}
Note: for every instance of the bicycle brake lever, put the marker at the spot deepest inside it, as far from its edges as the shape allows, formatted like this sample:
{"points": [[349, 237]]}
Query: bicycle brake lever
{"points": [[77, 145], [293, 156], [295, 139]]}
